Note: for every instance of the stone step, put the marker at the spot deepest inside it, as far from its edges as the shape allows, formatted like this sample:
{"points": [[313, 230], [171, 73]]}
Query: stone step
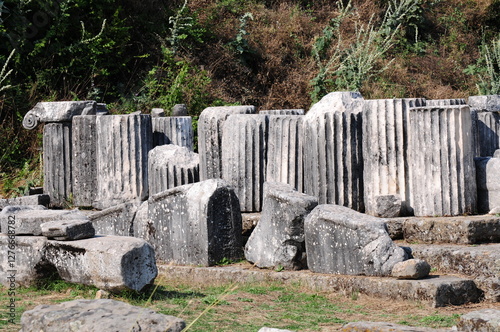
{"points": [[457, 230], [435, 291], [480, 262]]}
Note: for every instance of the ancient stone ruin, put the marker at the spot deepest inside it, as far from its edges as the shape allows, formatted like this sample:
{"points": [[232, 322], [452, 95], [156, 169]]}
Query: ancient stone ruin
{"points": [[335, 189]]}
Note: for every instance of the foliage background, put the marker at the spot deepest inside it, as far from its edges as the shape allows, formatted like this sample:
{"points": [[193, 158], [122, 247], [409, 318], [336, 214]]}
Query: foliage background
{"points": [[136, 55]]}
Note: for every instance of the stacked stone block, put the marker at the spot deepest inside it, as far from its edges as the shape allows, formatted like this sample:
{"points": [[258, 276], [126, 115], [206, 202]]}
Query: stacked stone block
{"points": [[284, 153], [122, 158], [170, 166], [210, 130], [57, 166], [244, 157], [385, 151], [175, 130], [485, 113], [84, 161], [443, 172], [333, 163]]}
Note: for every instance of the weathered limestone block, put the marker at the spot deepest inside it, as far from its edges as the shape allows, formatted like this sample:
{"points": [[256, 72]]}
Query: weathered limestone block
{"points": [[385, 151], [387, 206], [112, 263], [23, 257], [298, 111], [244, 157], [66, 230], [284, 152], [342, 241], [38, 199], [443, 171], [179, 110], [333, 158], [116, 220], [157, 112], [486, 131], [210, 130], [122, 159], [29, 218], [170, 166], [84, 159], [385, 327], [460, 229], [97, 315], [411, 269], [484, 320], [173, 130], [57, 170], [57, 111], [142, 225], [490, 103], [278, 239], [444, 102], [197, 224]]}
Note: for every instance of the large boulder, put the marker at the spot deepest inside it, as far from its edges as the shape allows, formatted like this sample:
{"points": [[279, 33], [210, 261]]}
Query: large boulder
{"points": [[342, 241], [97, 315], [278, 239]]}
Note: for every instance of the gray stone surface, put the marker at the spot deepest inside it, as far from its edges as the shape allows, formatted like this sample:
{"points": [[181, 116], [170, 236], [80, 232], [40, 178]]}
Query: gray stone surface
{"points": [[459, 229], [441, 158], [385, 151], [445, 102], [142, 226], [297, 111], [23, 257], [250, 221], [175, 130], [157, 112], [385, 327], [278, 239], [485, 320], [244, 157], [101, 109], [84, 159], [170, 166], [39, 199], [116, 220], [210, 130], [57, 170], [112, 263], [65, 230], [196, 224], [57, 111], [284, 153], [489, 103], [411, 269], [270, 329], [488, 183], [496, 154], [342, 241], [387, 206], [179, 110], [28, 220], [333, 156], [122, 159], [437, 291], [479, 262], [97, 315], [486, 131]]}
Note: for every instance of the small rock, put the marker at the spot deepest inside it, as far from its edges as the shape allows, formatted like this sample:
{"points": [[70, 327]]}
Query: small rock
{"points": [[64, 230], [271, 329], [411, 269], [102, 294], [387, 206], [179, 110], [486, 320], [385, 327], [157, 112]]}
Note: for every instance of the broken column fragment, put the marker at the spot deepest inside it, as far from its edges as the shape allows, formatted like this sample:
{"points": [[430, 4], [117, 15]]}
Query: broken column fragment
{"points": [[173, 130], [122, 158], [112, 263], [297, 111], [67, 230], [443, 171], [342, 241], [115, 220], [333, 158], [57, 170], [444, 102], [170, 166], [284, 152], [57, 111], [244, 157], [485, 113], [278, 239], [198, 224], [385, 151], [210, 130], [84, 159]]}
